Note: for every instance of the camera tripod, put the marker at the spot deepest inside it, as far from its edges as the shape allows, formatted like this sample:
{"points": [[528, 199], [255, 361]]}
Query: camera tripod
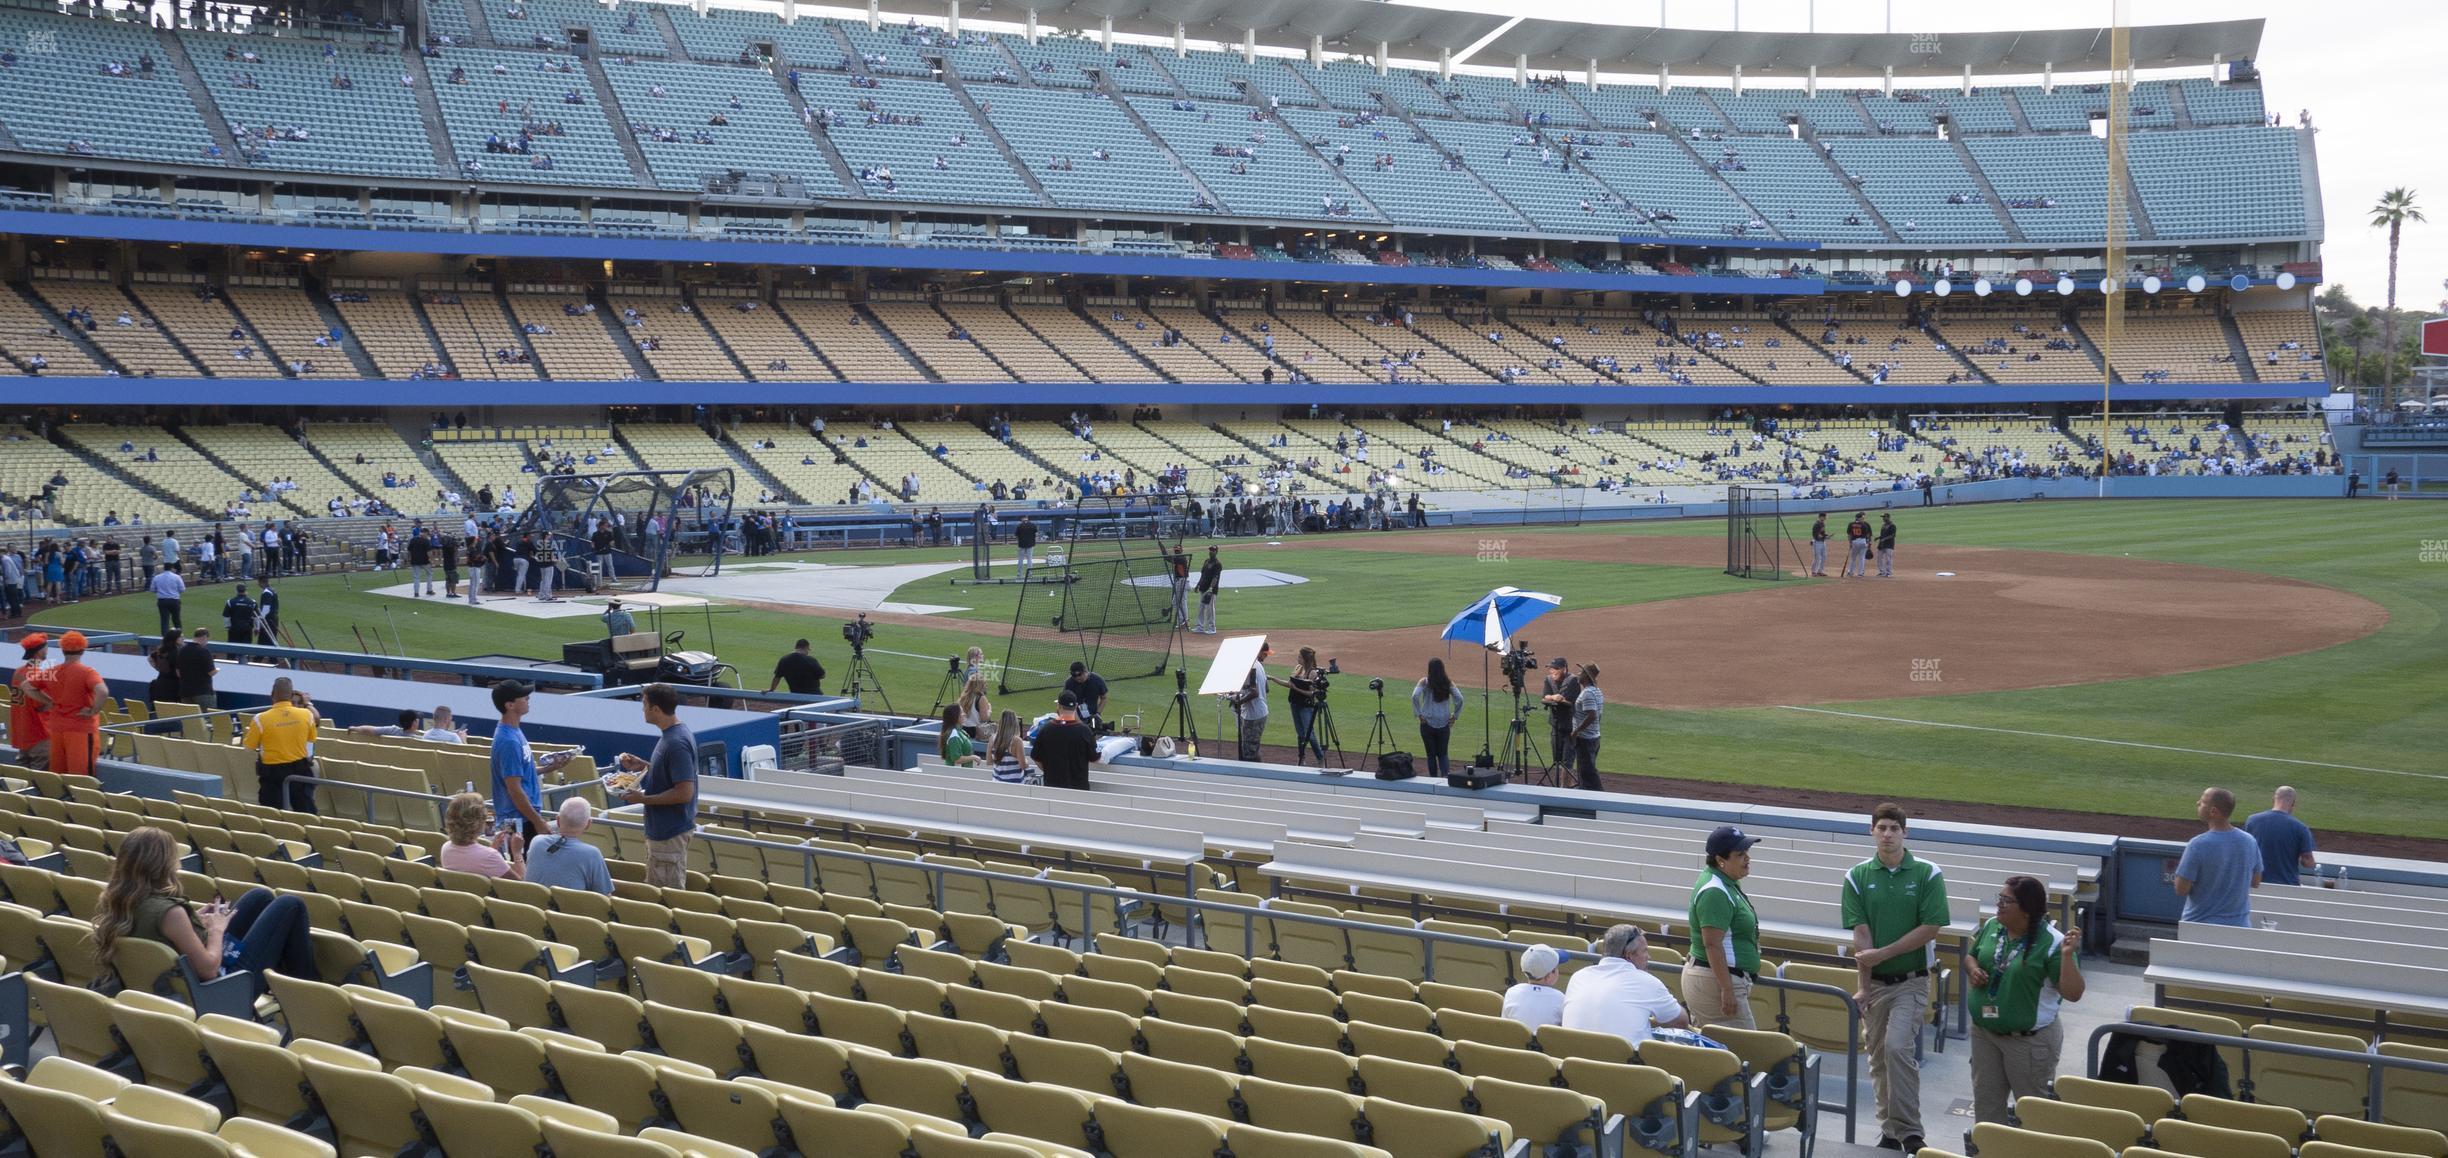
{"points": [[951, 682], [1322, 735], [1521, 752], [1381, 734], [863, 678], [1181, 707]]}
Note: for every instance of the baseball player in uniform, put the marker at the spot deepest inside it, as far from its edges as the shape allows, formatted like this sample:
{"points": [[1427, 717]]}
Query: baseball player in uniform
{"points": [[1211, 579], [1857, 542], [1819, 536], [1886, 546]]}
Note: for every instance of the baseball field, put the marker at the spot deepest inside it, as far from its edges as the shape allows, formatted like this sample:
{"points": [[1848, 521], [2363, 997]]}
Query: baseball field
{"points": [[2106, 658]]}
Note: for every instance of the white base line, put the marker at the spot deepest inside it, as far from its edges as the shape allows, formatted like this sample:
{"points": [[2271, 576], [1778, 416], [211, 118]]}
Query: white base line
{"points": [[2117, 743]]}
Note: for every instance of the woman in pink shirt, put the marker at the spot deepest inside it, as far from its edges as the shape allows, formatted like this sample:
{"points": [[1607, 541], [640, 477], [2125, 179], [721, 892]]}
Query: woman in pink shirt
{"points": [[463, 822]]}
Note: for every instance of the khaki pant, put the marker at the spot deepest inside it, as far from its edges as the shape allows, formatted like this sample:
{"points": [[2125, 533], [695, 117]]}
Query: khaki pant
{"points": [[667, 862], [2004, 1064], [1705, 1000], [1893, 1015]]}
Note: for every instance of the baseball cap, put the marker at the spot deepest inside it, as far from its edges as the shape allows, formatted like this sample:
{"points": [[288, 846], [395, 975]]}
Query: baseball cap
{"points": [[1558, 662], [1539, 961], [35, 642], [1726, 839], [73, 643], [1066, 700]]}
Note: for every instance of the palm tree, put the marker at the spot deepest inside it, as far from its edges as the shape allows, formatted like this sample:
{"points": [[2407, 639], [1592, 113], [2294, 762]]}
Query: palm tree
{"points": [[2358, 335], [2395, 208]]}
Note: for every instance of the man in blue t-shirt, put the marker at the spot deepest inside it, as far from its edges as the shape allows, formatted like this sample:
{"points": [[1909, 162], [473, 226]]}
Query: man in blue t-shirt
{"points": [[668, 790], [2221, 867], [516, 787], [2286, 843]]}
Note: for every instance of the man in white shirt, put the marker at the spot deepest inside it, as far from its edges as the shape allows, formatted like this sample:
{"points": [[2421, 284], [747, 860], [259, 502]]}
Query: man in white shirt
{"points": [[1618, 995], [1535, 1000]]}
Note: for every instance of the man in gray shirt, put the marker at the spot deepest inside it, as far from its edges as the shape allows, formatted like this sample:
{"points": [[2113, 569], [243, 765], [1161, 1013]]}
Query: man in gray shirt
{"points": [[560, 860], [1587, 708]]}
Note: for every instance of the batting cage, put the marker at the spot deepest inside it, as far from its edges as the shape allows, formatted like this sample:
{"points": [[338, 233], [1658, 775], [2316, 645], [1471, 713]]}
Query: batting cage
{"points": [[570, 510], [1100, 594], [1755, 533]]}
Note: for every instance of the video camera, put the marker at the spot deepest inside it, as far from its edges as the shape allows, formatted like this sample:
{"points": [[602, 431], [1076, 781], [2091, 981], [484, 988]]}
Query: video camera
{"points": [[1518, 663], [858, 631]]}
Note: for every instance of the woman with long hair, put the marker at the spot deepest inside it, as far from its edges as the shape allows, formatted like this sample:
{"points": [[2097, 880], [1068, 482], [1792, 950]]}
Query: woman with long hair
{"points": [[1007, 754], [2020, 969], [955, 744], [1436, 703], [463, 821], [141, 900], [976, 711], [1308, 688]]}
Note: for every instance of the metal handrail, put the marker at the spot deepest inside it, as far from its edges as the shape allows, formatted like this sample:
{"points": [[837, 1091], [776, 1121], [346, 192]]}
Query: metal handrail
{"points": [[2379, 1063]]}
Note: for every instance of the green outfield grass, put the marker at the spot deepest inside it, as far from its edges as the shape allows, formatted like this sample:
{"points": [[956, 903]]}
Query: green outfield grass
{"points": [[2375, 703]]}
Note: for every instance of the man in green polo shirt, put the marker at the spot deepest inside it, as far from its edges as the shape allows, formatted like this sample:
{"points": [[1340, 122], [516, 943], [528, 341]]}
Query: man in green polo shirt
{"points": [[1896, 905]]}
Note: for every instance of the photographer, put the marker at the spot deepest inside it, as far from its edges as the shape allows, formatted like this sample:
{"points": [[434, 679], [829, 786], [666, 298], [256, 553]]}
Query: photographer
{"points": [[1250, 707], [799, 669], [1308, 688], [1560, 691]]}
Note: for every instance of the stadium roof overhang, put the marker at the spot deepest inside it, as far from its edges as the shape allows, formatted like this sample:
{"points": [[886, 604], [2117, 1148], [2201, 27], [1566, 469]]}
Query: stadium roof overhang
{"points": [[1418, 33]]}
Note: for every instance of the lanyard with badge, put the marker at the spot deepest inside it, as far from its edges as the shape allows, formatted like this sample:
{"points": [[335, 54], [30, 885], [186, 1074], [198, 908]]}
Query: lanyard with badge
{"points": [[2006, 959]]}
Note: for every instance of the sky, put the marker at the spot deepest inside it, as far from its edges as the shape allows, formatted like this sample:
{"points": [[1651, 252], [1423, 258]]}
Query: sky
{"points": [[2367, 70]]}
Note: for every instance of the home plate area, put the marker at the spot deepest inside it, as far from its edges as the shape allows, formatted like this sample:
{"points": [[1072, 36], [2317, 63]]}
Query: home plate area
{"points": [[1234, 577]]}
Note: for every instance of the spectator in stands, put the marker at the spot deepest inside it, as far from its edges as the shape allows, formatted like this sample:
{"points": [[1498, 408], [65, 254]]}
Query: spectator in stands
{"points": [[2286, 843], [2018, 971], [406, 726], [1725, 956], [1618, 994], [1896, 905], [143, 900], [561, 860], [2221, 867], [463, 822], [1064, 747], [1536, 1000], [668, 788], [953, 741]]}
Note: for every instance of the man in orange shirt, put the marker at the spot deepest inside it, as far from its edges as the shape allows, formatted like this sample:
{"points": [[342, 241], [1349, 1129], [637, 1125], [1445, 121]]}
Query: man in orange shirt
{"points": [[75, 695], [26, 731]]}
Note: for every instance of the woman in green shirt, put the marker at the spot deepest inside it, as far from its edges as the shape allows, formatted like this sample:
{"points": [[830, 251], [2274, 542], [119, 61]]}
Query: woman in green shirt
{"points": [[2019, 969], [954, 741], [1725, 956]]}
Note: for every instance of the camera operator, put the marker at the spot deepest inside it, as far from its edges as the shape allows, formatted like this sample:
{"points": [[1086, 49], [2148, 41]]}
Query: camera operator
{"points": [[799, 669], [1308, 688], [1089, 688], [1560, 691]]}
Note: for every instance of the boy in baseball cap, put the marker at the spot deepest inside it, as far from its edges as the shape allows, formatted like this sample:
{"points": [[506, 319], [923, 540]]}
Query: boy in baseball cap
{"points": [[1536, 1000]]}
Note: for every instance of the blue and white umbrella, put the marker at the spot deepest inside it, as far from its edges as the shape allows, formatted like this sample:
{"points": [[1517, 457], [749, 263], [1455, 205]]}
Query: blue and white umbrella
{"points": [[1492, 619]]}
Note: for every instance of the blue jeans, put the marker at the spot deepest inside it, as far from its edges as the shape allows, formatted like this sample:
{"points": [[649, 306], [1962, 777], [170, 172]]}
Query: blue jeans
{"points": [[273, 932], [1304, 724]]}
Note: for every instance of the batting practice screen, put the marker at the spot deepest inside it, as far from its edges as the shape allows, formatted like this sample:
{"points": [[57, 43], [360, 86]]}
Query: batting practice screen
{"points": [[1125, 601]]}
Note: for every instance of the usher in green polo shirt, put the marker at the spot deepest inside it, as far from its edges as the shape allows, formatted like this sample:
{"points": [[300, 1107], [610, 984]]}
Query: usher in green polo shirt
{"points": [[1894, 902], [1718, 903]]}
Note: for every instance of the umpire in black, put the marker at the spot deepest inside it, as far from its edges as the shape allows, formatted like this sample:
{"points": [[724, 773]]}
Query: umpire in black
{"points": [[1558, 693]]}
